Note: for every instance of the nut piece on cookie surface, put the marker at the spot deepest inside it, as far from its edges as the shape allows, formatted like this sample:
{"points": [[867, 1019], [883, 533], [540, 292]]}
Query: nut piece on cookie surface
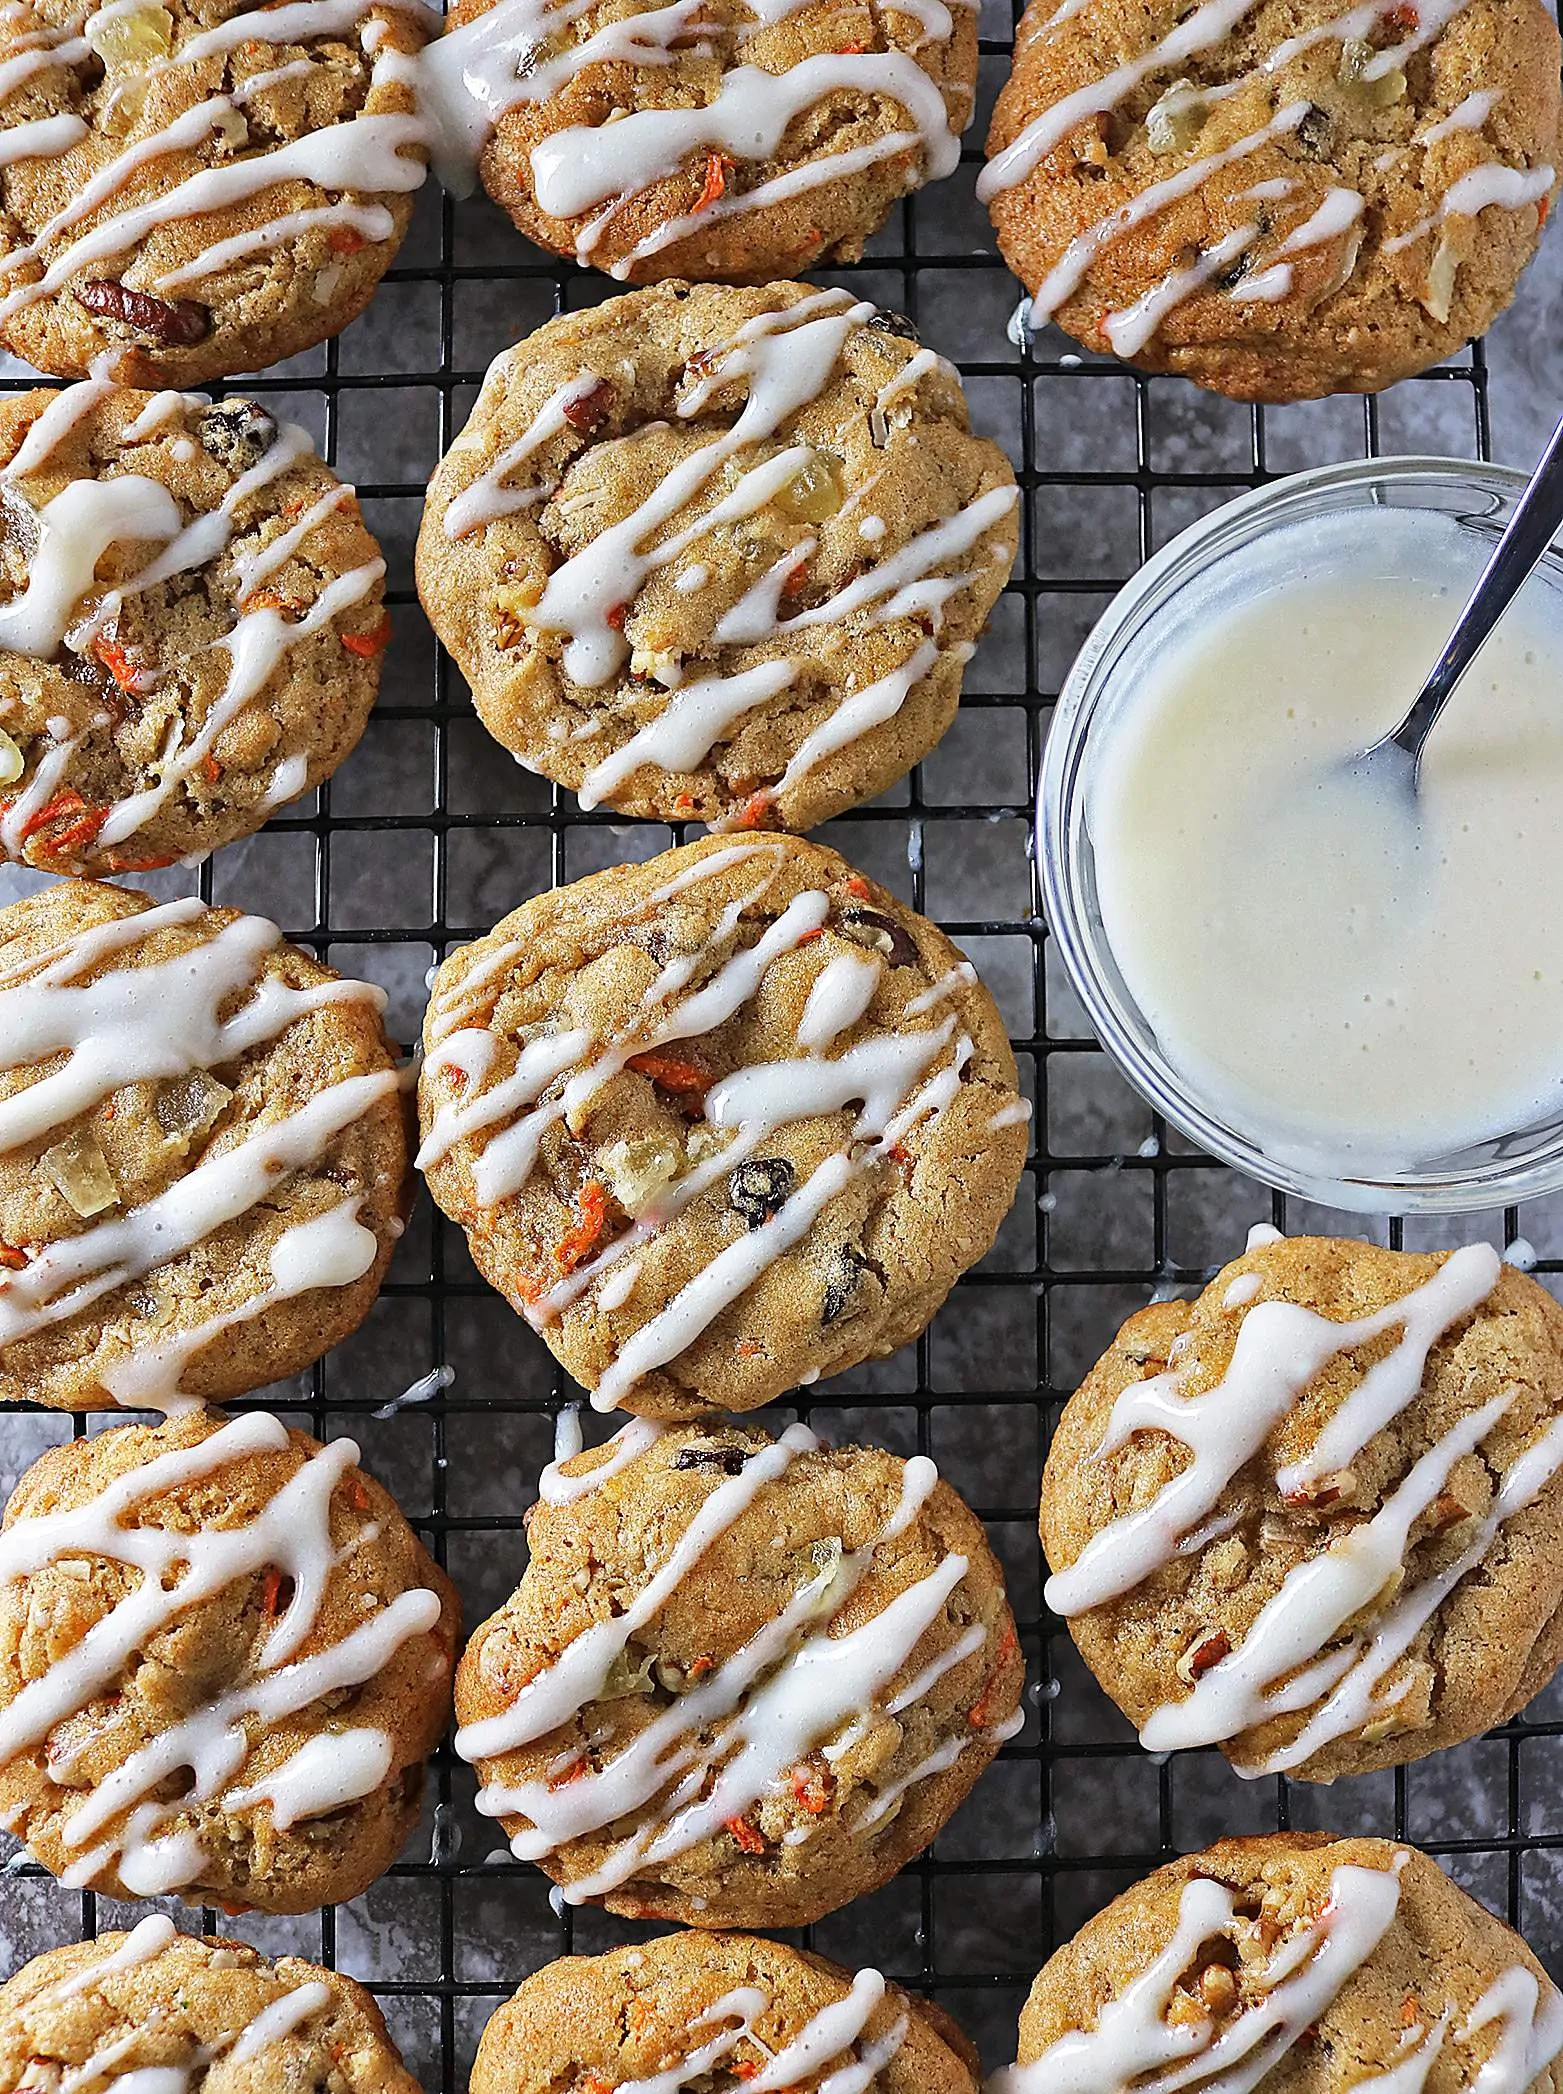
{"points": [[719, 555], [201, 187], [191, 624], [1297, 1960], [730, 144], [1312, 1517], [1278, 201], [224, 1660], [697, 2010], [719, 1123], [203, 1151], [743, 1680], [154, 2001]]}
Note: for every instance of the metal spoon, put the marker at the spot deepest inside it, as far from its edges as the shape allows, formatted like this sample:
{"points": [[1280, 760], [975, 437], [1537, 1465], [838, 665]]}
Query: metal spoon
{"points": [[1394, 765]]}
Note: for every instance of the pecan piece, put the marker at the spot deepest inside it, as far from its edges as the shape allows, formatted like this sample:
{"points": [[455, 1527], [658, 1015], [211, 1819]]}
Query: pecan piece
{"points": [[177, 323], [1206, 1650]]}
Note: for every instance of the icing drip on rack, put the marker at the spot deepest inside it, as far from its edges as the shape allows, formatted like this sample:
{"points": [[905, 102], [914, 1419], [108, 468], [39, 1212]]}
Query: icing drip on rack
{"points": [[1292, 1659], [787, 357], [511, 57], [62, 606], [170, 1022], [902, 1083], [732, 1736], [367, 155], [118, 1822], [1200, 35]]}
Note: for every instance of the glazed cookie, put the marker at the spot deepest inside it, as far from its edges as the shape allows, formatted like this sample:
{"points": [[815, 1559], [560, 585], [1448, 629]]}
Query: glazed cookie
{"points": [[743, 1680], [224, 1659], [203, 1155], [718, 555], [1276, 198], [720, 1123], [193, 628], [162, 2010], [717, 2011], [725, 139], [201, 187], [1297, 1961], [1313, 1517]]}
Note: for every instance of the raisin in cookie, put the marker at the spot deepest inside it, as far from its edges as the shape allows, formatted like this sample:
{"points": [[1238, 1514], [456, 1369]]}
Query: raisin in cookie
{"points": [[724, 139], [161, 2009], [719, 1123], [1313, 1517], [203, 1154], [743, 1680], [717, 2011], [1298, 1961], [192, 630], [224, 1660], [197, 188], [1281, 199], [719, 554]]}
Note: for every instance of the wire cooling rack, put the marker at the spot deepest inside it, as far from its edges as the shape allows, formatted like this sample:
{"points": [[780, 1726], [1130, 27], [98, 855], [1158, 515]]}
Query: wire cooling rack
{"points": [[427, 836]]}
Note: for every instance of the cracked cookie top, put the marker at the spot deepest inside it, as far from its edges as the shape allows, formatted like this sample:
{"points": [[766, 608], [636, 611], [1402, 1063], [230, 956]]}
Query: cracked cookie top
{"points": [[719, 555], [1276, 198], [719, 1123], [743, 1680], [1312, 1516]]}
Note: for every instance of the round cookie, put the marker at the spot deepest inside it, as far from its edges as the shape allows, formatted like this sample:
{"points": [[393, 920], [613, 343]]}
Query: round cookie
{"points": [[1281, 199], [1313, 1517], [720, 1123], [203, 1153], [200, 187], [694, 2003], [224, 1660], [192, 631], [742, 1681], [196, 2013], [1296, 1962], [718, 554], [732, 140]]}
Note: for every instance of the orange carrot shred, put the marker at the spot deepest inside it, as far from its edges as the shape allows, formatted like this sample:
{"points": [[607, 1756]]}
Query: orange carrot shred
{"points": [[371, 643], [1008, 1645], [11, 1257], [753, 811], [345, 239], [118, 664], [670, 1072], [591, 1207], [746, 1835], [717, 169], [271, 1592]]}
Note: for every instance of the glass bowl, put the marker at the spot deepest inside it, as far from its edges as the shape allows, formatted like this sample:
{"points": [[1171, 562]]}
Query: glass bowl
{"points": [[1521, 1164]]}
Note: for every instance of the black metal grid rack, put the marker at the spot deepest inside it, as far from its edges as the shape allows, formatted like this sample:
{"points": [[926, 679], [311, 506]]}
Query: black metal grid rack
{"points": [[427, 835]]}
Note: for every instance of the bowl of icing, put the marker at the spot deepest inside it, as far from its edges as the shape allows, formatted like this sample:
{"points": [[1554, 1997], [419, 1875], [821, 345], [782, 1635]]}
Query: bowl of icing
{"points": [[1355, 1001]]}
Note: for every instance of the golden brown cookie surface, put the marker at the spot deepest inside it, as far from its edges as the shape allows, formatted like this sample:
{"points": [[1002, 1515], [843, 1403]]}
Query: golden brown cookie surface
{"points": [[719, 554], [200, 188], [224, 1660], [1311, 1517], [192, 628], [1300, 1962], [719, 1123], [726, 2005], [198, 2011], [203, 1156], [742, 1681], [1278, 200]]}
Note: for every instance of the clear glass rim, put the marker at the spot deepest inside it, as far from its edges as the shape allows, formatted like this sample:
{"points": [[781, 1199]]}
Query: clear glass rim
{"points": [[1485, 1185]]}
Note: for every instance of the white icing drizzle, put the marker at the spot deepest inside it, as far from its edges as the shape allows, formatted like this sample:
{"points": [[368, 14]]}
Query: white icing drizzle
{"points": [[1131, 329], [164, 1020], [474, 75], [1280, 1349], [731, 1737], [1531, 2033], [372, 222], [1134, 2044], [741, 2007], [281, 2018], [75, 530], [145, 1941], [628, 1444], [693, 721], [835, 2032], [1471, 115], [290, 1535], [45, 138], [489, 497], [72, 404], [1506, 188]]}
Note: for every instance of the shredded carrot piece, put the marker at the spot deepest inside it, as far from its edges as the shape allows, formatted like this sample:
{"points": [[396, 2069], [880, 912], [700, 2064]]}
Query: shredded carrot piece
{"points": [[1007, 1648], [118, 664], [753, 811], [701, 1667], [746, 2070], [749, 1348], [265, 600], [850, 50], [141, 865], [809, 937], [615, 615], [80, 836], [345, 239], [684, 803], [368, 644], [812, 1788], [718, 166], [745, 1834], [211, 769], [571, 1773], [856, 885], [271, 1592], [63, 803], [670, 1072], [591, 1207], [594, 2083], [530, 1288], [11, 1257]]}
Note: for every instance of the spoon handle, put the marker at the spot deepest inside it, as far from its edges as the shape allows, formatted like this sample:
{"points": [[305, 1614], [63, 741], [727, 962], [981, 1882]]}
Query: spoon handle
{"points": [[1519, 552]]}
